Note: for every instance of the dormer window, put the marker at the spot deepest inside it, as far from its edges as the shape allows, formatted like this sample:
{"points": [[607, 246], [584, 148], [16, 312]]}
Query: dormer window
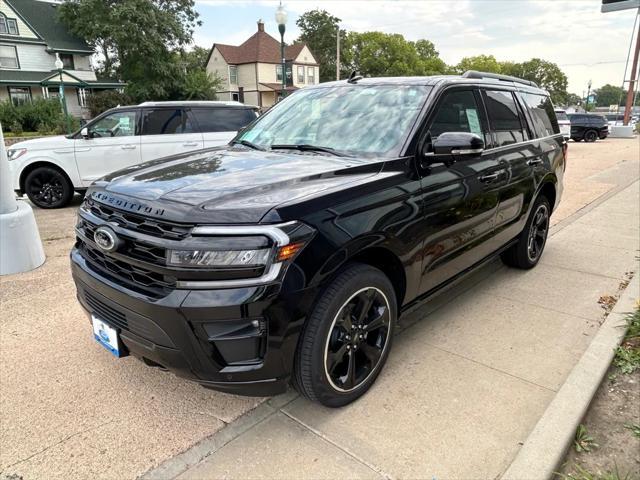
{"points": [[8, 26]]}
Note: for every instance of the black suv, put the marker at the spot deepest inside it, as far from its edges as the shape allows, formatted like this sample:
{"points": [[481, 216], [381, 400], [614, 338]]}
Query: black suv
{"points": [[588, 127], [289, 254]]}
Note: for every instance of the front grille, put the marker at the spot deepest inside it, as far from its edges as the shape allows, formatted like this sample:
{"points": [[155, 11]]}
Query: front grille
{"points": [[138, 223], [137, 278], [132, 248], [105, 312]]}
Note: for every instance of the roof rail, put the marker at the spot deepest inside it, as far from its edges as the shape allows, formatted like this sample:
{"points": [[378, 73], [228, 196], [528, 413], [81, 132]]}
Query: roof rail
{"points": [[498, 76]]}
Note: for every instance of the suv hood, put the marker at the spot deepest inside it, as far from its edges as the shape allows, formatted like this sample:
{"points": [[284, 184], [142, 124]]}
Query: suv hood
{"points": [[46, 143], [233, 185]]}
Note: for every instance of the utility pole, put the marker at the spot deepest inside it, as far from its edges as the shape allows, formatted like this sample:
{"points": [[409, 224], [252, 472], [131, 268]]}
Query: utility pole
{"points": [[632, 81], [586, 108], [338, 55]]}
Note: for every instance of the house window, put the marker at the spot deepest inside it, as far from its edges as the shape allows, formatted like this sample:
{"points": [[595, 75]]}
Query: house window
{"points": [[53, 92], [19, 95], [8, 57], [279, 73], [235, 97], [8, 25], [233, 74], [300, 74], [311, 74], [67, 61]]}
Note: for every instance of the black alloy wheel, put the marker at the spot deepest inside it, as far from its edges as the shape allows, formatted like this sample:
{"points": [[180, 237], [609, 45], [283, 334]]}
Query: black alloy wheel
{"points": [[538, 232], [347, 337], [527, 250], [590, 136], [357, 340], [47, 187]]}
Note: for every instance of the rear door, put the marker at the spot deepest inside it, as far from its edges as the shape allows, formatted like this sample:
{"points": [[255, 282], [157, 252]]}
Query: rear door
{"points": [[460, 198], [220, 124], [168, 131], [113, 143]]}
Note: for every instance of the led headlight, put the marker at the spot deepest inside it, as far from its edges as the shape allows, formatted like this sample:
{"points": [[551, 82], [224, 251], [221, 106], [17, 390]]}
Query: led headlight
{"points": [[218, 258], [15, 153]]}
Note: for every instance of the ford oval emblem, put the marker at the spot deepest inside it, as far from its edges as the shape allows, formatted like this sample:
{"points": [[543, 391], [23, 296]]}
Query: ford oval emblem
{"points": [[106, 239]]}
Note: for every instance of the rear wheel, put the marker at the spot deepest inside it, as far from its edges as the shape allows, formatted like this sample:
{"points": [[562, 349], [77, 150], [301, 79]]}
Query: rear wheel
{"points": [[590, 136], [527, 251], [48, 187], [347, 338]]}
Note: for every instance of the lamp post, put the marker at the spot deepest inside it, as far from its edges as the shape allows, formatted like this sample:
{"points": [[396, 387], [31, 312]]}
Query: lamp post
{"points": [[59, 66], [586, 108], [281, 20]]}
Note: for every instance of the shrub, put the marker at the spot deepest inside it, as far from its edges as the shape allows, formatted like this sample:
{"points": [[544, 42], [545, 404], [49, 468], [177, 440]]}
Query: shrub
{"points": [[39, 115], [15, 127], [102, 101]]}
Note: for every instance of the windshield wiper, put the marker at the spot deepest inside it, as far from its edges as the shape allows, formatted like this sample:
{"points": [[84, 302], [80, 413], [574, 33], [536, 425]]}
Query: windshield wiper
{"points": [[304, 147], [249, 144]]}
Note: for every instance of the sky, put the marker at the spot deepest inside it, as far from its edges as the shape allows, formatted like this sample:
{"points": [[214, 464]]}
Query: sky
{"points": [[585, 43]]}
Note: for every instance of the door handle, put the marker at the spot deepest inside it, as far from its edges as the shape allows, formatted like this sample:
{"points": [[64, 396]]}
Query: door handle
{"points": [[534, 161], [491, 177], [190, 144], [127, 147]]}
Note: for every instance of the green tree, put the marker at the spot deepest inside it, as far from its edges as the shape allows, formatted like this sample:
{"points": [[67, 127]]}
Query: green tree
{"points": [[546, 74], [610, 95], [136, 38], [378, 54], [573, 99], [319, 29], [482, 63], [200, 85]]}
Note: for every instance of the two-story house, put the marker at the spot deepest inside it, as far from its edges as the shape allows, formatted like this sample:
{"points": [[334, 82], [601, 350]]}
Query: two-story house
{"points": [[252, 72], [30, 39]]}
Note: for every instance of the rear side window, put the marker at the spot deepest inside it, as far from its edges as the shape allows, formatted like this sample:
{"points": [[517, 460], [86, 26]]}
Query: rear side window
{"points": [[542, 114], [166, 121], [503, 117], [223, 119]]}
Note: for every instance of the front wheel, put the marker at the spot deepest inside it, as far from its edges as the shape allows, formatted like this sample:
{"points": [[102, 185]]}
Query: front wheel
{"points": [[47, 187], [528, 249], [590, 136], [346, 340]]}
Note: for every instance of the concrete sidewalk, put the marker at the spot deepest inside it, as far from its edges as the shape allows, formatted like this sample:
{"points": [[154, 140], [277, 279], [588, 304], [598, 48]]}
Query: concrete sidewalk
{"points": [[467, 379]]}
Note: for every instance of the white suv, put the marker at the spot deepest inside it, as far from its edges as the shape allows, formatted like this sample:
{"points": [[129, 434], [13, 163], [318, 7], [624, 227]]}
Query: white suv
{"points": [[564, 123], [49, 170]]}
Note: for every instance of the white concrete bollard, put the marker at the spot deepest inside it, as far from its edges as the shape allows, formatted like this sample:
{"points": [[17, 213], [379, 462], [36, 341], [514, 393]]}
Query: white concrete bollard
{"points": [[20, 246]]}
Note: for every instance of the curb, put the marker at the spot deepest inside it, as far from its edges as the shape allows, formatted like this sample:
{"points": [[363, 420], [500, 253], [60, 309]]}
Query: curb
{"points": [[545, 448]]}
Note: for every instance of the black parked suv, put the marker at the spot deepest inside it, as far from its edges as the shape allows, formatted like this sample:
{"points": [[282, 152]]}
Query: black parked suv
{"points": [[588, 127], [288, 255]]}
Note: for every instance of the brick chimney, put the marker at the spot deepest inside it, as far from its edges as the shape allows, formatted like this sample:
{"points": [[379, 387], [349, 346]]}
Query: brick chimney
{"points": [[260, 25]]}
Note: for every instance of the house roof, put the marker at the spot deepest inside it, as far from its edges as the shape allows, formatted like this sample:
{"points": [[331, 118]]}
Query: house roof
{"points": [[26, 77], [278, 86], [260, 47], [42, 18]]}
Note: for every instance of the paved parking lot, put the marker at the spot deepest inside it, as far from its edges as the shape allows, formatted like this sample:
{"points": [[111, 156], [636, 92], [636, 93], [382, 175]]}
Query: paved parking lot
{"points": [[470, 380]]}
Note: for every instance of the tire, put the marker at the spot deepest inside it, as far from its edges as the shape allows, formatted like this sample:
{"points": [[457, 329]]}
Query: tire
{"points": [[48, 187], [338, 338], [520, 255], [590, 136]]}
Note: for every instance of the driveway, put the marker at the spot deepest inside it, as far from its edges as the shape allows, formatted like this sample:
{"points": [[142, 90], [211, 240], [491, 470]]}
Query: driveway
{"points": [[469, 375]]}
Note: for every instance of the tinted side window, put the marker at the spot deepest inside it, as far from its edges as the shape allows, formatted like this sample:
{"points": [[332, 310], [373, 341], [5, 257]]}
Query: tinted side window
{"points": [[542, 113], [223, 119], [166, 121], [458, 112], [503, 117]]}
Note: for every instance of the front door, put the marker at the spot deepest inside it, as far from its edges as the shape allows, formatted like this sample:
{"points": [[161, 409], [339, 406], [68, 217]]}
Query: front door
{"points": [[113, 143], [168, 131], [460, 198]]}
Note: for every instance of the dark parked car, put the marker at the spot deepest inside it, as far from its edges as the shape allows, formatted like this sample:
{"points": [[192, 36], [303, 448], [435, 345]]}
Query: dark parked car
{"points": [[288, 255], [588, 127]]}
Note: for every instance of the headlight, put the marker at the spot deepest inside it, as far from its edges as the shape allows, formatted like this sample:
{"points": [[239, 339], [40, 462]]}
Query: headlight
{"points": [[229, 247], [218, 258], [15, 153]]}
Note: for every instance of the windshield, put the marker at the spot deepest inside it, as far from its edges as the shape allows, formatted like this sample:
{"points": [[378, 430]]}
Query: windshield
{"points": [[370, 120], [561, 116]]}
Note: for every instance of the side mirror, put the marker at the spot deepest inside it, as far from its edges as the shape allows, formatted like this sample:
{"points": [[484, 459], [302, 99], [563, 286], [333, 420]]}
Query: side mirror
{"points": [[84, 132], [458, 144]]}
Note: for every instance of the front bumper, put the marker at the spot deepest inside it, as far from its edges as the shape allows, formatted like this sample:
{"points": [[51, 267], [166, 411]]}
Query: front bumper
{"points": [[237, 340]]}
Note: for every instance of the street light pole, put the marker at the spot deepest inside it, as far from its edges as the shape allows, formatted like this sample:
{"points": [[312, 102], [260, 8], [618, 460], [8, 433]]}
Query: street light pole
{"points": [[59, 66], [586, 108], [281, 20], [338, 55]]}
